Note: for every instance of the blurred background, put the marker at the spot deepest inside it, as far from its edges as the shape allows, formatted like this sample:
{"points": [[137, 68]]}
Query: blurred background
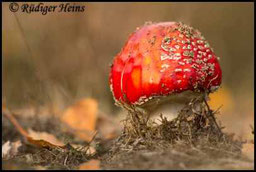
{"points": [[68, 54]]}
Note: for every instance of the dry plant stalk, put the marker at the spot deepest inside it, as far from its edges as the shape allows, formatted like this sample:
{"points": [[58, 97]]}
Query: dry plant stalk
{"points": [[190, 126]]}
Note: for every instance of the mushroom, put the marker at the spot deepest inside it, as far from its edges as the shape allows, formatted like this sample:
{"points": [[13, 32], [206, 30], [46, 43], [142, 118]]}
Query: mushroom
{"points": [[162, 67]]}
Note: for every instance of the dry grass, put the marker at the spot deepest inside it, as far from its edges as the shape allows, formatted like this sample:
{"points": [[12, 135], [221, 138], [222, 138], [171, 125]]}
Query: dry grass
{"points": [[193, 140]]}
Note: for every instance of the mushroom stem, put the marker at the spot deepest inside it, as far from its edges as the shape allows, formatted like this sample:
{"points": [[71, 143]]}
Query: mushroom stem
{"points": [[172, 105]]}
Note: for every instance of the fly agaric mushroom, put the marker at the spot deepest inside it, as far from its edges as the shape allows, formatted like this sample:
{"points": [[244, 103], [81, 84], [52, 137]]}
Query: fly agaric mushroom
{"points": [[162, 67]]}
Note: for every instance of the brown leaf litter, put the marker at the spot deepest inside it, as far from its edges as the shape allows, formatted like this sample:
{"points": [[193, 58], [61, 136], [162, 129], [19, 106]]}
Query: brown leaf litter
{"points": [[42, 148], [82, 117], [93, 164], [194, 140]]}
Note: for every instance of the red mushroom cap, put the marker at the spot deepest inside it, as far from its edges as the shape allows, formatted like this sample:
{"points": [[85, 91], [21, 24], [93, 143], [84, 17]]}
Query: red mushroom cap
{"points": [[161, 59]]}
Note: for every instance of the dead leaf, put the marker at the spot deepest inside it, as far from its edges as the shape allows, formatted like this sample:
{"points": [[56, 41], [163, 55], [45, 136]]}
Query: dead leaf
{"points": [[44, 136], [10, 149], [90, 165], [248, 150], [6, 147], [39, 142], [82, 117], [221, 97], [90, 149]]}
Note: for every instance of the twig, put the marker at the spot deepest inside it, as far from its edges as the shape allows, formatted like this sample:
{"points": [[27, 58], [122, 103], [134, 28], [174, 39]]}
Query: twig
{"points": [[12, 119], [65, 161], [218, 109], [252, 129], [41, 76], [88, 146], [51, 153], [212, 116], [127, 141]]}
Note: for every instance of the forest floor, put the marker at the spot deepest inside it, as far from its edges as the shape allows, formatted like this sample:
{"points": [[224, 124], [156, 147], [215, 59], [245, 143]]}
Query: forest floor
{"points": [[191, 141]]}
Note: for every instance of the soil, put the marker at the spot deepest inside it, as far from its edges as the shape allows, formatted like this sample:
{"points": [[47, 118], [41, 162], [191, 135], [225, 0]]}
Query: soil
{"points": [[191, 141]]}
